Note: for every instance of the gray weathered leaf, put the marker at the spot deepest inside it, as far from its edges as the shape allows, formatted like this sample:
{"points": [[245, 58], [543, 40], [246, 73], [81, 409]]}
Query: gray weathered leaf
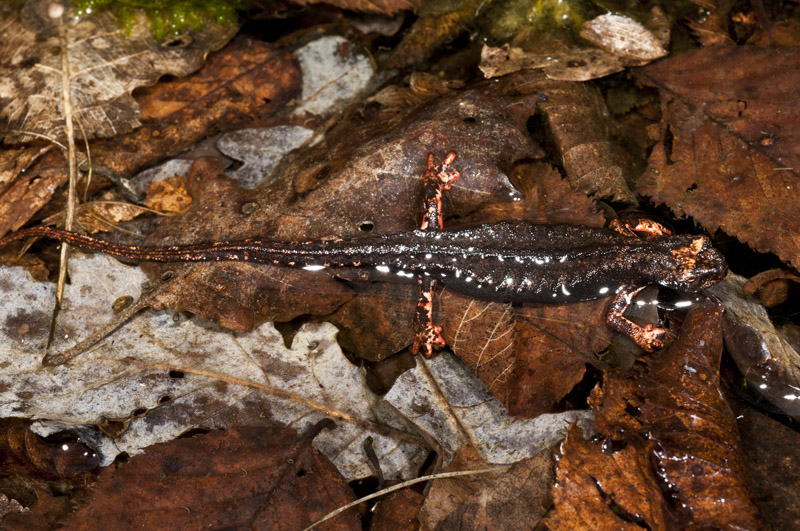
{"points": [[447, 401], [159, 376]]}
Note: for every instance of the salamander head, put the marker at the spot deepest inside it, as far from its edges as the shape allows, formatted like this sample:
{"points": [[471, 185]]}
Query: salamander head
{"points": [[693, 264]]}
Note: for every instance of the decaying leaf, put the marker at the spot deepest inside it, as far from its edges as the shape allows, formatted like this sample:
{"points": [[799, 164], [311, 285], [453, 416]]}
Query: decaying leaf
{"points": [[514, 499], [562, 65], [258, 477], [102, 215], [106, 65], [710, 26], [386, 7], [438, 25], [398, 510], [622, 41], [606, 488], [664, 425], [727, 153], [335, 71], [765, 357], [159, 376], [772, 454], [444, 399], [579, 122], [247, 81], [772, 287], [554, 344], [481, 334]]}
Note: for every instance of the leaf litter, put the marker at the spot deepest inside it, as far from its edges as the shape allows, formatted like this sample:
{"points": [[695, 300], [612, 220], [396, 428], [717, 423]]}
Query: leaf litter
{"points": [[218, 371]]}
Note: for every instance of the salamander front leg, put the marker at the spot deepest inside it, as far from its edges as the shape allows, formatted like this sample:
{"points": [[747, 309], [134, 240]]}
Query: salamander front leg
{"points": [[649, 337]]}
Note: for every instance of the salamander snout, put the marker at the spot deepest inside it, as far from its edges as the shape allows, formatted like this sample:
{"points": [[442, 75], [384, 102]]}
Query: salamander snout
{"points": [[696, 265]]}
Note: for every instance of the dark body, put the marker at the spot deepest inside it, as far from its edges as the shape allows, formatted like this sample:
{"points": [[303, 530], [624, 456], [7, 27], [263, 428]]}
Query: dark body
{"points": [[505, 261]]}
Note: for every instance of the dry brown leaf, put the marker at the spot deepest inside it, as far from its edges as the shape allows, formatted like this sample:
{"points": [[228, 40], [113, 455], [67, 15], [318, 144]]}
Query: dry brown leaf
{"points": [[169, 195], [431, 31], [386, 7], [106, 65], [481, 334], [514, 499], [727, 153]]}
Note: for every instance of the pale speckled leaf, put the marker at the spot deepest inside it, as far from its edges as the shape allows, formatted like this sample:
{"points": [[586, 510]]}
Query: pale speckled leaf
{"points": [[624, 37], [105, 65], [131, 377], [261, 150], [445, 399], [335, 71]]}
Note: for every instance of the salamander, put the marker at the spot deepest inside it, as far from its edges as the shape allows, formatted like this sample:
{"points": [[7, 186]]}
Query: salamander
{"points": [[508, 261]]}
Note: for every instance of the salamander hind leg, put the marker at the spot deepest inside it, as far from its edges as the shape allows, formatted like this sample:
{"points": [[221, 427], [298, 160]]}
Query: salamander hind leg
{"points": [[649, 337]]}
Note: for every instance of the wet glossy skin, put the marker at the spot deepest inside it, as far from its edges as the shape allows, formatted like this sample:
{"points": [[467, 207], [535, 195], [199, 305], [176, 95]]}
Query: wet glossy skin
{"points": [[506, 261]]}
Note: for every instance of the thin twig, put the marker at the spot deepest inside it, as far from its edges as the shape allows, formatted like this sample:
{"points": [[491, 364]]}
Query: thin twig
{"points": [[405, 484], [66, 74]]}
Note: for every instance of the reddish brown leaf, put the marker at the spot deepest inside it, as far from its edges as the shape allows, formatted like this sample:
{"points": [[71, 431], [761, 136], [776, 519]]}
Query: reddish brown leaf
{"points": [[398, 510], [481, 334], [772, 287], [25, 196], [605, 488], [710, 26], [727, 154], [676, 403], [554, 343], [255, 477], [436, 27]]}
